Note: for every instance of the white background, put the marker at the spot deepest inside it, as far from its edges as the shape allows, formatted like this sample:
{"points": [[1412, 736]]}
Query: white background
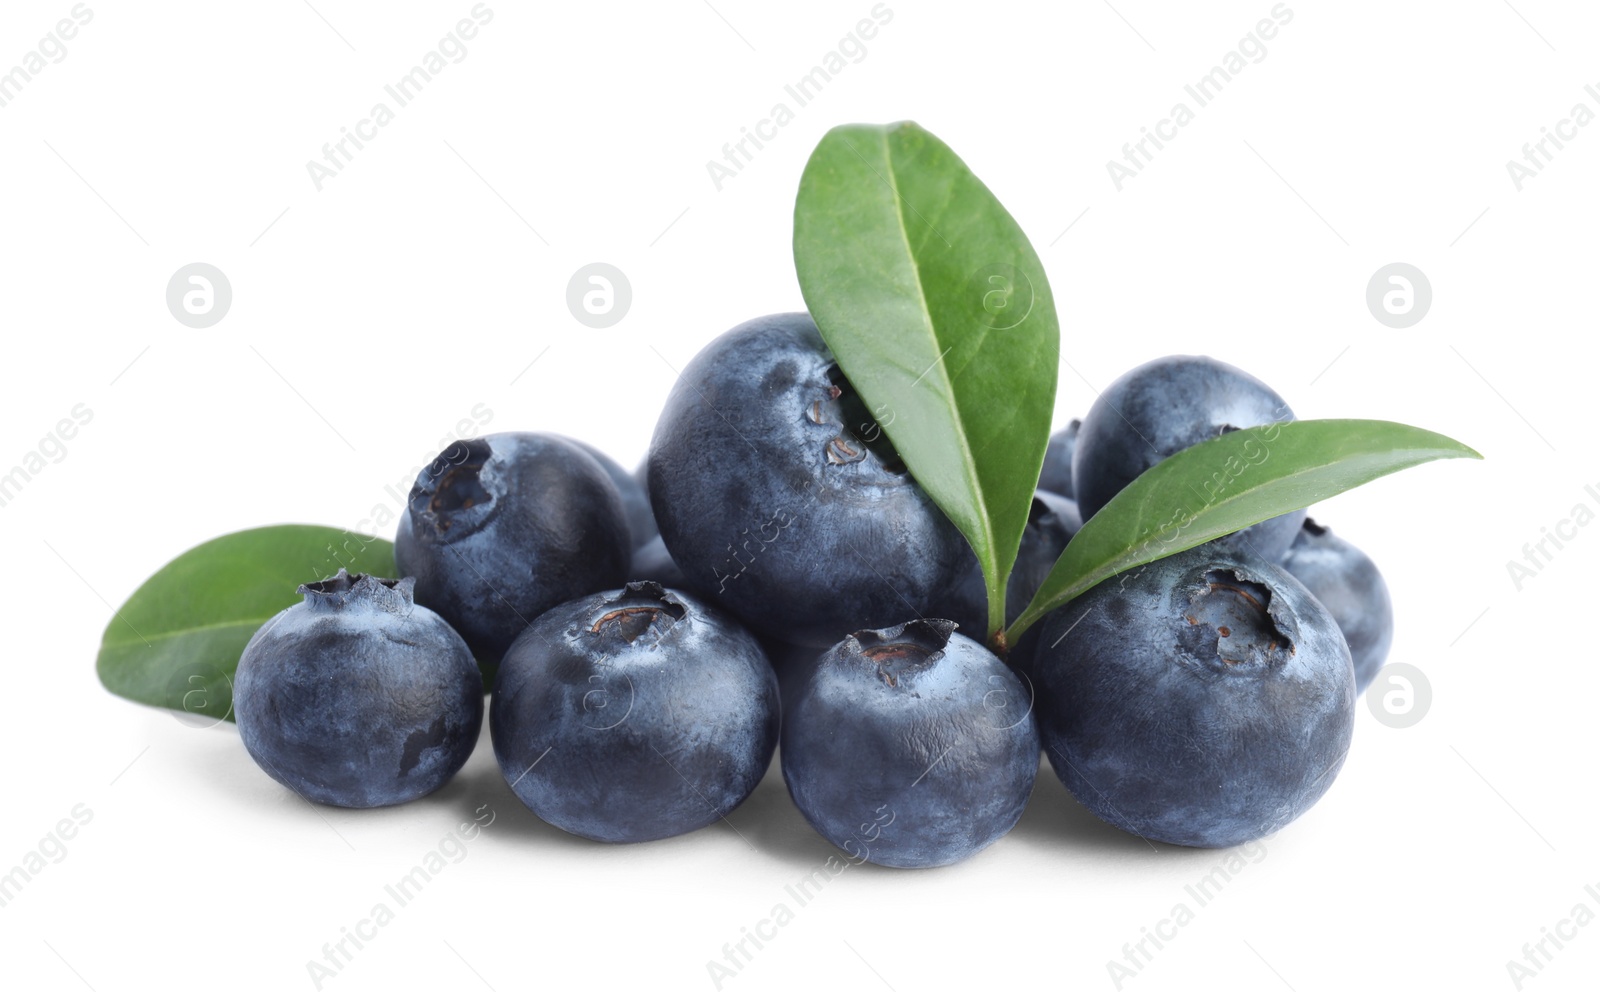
{"points": [[373, 315]]}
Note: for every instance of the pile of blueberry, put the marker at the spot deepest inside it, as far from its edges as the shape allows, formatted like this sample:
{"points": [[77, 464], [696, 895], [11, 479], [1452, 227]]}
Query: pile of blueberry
{"points": [[774, 571]]}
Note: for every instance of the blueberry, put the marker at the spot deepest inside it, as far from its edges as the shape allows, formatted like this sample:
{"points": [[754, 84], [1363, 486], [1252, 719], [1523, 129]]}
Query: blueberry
{"points": [[1205, 700], [503, 527], [635, 501], [1162, 407], [1052, 521], [911, 746], [779, 496], [634, 715], [357, 697], [1349, 585], [1057, 473]]}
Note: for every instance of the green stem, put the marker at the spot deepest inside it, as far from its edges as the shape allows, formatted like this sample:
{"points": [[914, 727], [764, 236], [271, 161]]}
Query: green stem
{"points": [[999, 641]]}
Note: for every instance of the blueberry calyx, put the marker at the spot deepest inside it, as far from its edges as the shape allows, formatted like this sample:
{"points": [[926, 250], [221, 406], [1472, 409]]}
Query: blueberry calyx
{"points": [[640, 608], [1250, 630], [360, 590], [458, 492], [860, 432], [898, 651]]}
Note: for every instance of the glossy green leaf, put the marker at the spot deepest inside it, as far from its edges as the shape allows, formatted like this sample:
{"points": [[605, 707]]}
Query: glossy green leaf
{"points": [[177, 640], [939, 313], [1226, 484]]}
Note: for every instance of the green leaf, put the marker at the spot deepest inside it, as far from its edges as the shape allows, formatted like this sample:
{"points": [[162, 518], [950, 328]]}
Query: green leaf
{"points": [[940, 315], [1226, 484], [177, 640]]}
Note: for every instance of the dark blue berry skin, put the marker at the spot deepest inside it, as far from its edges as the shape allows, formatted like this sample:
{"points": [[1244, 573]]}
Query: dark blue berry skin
{"points": [[1350, 587], [794, 664], [776, 496], [653, 563], [1052, 521], [635, 501], [1204, 700], [503, 527], [1162, 407], [357, 697], [1056, 475], [641, 475], [910, 747], [634, 715]]}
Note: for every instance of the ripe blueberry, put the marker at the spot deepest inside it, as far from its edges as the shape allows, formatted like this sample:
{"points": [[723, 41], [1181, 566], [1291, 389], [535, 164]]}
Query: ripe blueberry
{"points": [[634, 715], [503, 527], [1204, 700], [1350, 587], [357, 697], [779, 497], [1162, 407], [911, 746]]}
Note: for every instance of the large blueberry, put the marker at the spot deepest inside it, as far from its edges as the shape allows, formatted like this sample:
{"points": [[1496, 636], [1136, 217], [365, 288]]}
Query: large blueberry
{"points": [[1162, 407], [357, 697], [1056, 475], [503, 527], [1052, 521], [634, 715], [1349, 585], [911, 746], [778, 495], [1206, 699]]}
